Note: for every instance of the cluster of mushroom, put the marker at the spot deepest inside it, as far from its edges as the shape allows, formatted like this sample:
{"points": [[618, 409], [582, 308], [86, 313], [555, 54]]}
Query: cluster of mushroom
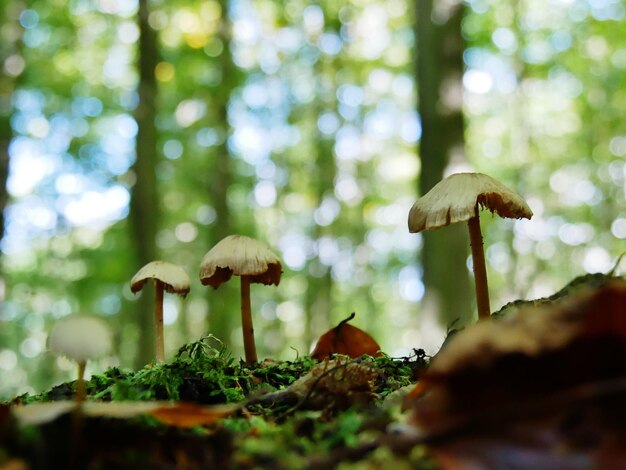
{"points": [[84, 337], [458, 198], [242, 256]]}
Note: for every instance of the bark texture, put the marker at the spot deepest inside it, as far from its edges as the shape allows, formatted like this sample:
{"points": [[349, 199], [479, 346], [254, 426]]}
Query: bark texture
{"points": [[439, 76], [144, 204]]}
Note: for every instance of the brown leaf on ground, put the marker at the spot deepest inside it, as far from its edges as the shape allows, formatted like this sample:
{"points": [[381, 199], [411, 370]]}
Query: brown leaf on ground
{"points": [[543, 387], [337, 384], [187, 415], [346, 340], [171, 413]]}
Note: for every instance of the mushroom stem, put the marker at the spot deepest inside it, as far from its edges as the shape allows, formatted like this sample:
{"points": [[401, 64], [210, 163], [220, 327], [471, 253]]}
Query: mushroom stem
{"points": [[158, 321], [246, 321], [77, 417], [478, 261], [80, 383]]}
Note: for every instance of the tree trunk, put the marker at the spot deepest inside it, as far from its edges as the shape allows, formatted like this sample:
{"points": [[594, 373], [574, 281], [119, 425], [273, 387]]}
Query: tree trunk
{"points": [[439, 77], [9, 46], [223, 316], [144, 206], [318, 299]]}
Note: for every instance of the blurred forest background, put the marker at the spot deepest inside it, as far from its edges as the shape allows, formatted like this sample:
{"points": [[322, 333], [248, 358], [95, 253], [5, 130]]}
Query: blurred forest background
{"points": [[134, 130]]}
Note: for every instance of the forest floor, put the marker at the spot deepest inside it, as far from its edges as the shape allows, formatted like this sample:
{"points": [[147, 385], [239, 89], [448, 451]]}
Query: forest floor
{"points": [[206, 410], [489, 401]]}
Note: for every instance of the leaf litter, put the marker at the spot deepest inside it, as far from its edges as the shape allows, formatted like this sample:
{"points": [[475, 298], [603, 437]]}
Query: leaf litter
{"points": [[540, 383]]}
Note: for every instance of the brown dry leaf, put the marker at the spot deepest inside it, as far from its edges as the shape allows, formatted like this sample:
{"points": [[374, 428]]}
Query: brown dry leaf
{"points": [[544, 387], [527, 354], [41, 413], [337, 384], [580, 429], [120, 409], [14, 464], [188, 415], [347, 340], [539, 446], [171, 413]]}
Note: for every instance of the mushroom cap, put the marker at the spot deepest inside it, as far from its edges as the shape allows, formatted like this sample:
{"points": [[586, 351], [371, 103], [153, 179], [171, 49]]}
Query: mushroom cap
{"points": [[242, 256], [454, 199], [174, 278], [80, 337]]}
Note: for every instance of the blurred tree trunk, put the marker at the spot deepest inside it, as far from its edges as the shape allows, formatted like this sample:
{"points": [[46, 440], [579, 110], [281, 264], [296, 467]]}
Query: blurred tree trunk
{"points": [[319, 293], [223, 308], [520, 149], [5, 139], [10, 40], [439, 77], [144, 207], [318, 299]]}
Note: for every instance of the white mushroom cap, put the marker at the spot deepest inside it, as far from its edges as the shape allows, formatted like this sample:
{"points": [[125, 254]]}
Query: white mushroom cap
{"points": [[240, 255], [80, 337], [454, 199], [174, 278]]}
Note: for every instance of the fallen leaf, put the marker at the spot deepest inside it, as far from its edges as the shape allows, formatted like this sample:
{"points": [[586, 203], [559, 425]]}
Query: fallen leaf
{"points": [[121, 409], [187, 415], [41, 413], [542, 387], [330, 386], [171, 413], [347, 340], [14, 464], [337, 383]]}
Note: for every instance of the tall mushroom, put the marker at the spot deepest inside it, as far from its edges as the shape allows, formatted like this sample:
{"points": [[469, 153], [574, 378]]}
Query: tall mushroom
{"points": [[458, 198], [80, 338], [252, 261], [167, 277]]}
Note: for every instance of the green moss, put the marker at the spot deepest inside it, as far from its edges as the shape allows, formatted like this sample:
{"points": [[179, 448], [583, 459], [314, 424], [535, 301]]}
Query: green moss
{"points": [[325, 425], [400, 372], [200, 373], [281, 374], [264, 434]]}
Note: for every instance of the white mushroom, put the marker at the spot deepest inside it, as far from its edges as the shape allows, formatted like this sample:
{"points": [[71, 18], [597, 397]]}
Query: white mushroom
{"points": [[80, 338], [458, 198], [253, 262], [167, 277]]}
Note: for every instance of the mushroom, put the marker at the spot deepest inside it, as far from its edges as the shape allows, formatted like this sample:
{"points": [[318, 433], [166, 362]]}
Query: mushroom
{"points": [[80, 338], [458, 198], [253, 262], [168, 277]]}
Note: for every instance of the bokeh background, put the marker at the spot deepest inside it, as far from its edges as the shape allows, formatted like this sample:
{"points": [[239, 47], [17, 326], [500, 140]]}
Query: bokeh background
{"points": [[133, 130]]}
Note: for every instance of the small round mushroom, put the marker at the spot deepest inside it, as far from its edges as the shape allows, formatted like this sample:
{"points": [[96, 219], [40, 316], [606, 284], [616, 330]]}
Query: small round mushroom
{"points": [[80, 338], [458, 198], [167, 277], [252, 262]]}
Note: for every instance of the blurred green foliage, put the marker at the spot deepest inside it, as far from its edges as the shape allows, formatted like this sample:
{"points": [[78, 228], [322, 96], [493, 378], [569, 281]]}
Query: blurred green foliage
{"points": [[321, 132]]}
